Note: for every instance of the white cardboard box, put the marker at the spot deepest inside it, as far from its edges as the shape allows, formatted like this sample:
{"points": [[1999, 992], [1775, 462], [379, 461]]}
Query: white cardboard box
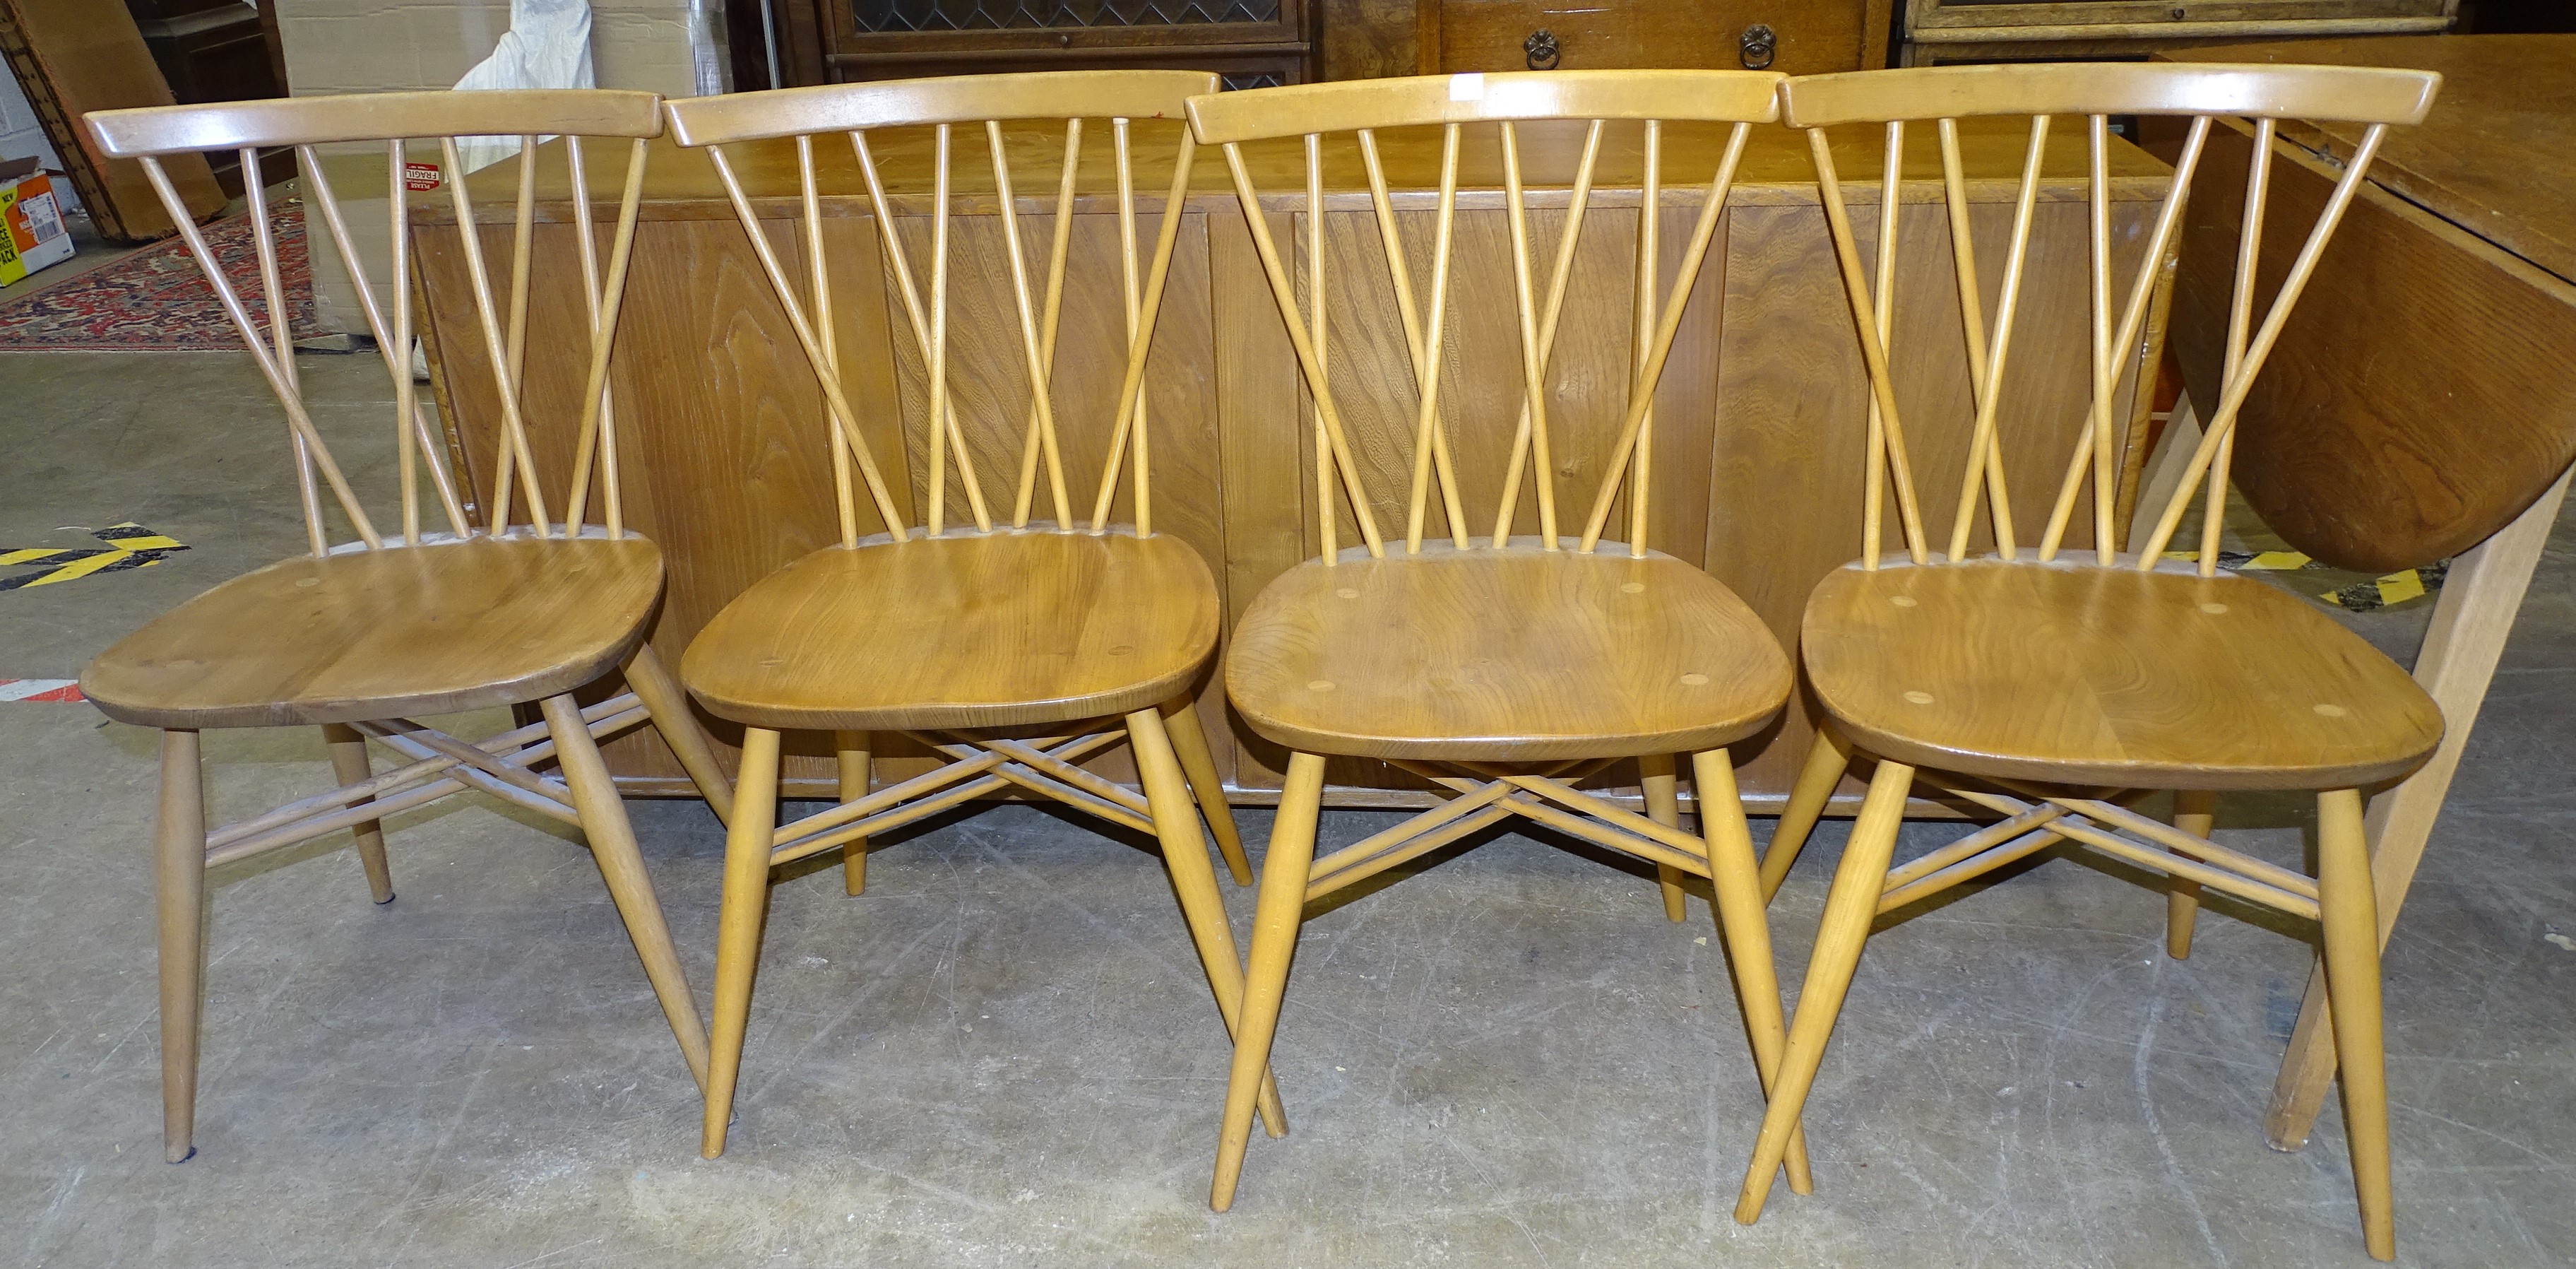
{"points": [[31, 221]]}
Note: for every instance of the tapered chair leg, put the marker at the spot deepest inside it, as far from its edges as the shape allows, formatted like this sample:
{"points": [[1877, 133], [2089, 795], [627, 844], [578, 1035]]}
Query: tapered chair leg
{"points": [[180, 879], [1744, 930], [1664, 806], [1826, 760], [1276, 918], [857, 773], [1190, 744], [621, 865], [668, 702], [349, 766], [2194, 812], [1849, 907], [749, 837], [1176, 823], [2348, 906]]}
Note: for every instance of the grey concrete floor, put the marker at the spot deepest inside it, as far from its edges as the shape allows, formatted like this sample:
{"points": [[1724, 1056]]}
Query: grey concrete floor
{"points": [[1003, 1054]]}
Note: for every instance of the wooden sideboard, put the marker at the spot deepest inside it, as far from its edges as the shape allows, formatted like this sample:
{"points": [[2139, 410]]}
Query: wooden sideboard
{"points": [[1252, 43], [1794, 37], [1257, 42], [1758, 425]]}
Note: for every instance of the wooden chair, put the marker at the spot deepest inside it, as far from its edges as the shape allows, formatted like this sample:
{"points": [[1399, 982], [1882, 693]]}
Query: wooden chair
{"points": [[2052, 687], [362, 637], [1500, 666], [1016, 646]]}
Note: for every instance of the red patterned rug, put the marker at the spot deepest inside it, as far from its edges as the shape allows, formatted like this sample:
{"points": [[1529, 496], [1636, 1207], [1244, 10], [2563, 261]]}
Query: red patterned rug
{"points": [[157, 299]]}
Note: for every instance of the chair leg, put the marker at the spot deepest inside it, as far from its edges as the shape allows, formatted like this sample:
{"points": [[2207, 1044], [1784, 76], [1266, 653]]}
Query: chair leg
{"points": [[749, 836], [1176, 823], [181, 882], [2348, 904], [1826, 760], [1190, 743], [857, 776], [1744, 930], [349, 766], [1281, 910], [1849, 908], [621, 865], [1664, 806], [2193, 814], [668, 702]]}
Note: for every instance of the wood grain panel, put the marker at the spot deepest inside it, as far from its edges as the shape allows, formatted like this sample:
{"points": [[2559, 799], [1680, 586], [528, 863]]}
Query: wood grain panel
{"points": [[2418, 399], [1268, 500], [1813, 36], [1368, 39], [2493, 154]]}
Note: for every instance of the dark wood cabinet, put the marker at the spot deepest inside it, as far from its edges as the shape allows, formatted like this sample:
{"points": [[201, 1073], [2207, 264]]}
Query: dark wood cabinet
{"points": [[214, 50], [1797, 37], [1260, 42], [1250, 42]]}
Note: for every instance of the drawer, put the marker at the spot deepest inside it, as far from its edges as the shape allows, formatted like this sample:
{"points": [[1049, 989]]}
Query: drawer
{"points": [[1251, 42], [1808, 36]]}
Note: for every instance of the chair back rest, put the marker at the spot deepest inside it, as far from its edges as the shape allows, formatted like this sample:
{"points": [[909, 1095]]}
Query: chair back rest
{"points": [[2201, 92], [941, 105], [396, 120], [1596, 99]]}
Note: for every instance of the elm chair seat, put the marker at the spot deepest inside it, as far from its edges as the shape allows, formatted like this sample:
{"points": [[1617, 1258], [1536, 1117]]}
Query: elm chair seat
{"points": [[966, 630], [1456, 654], [2056, 673], [362, 635]]}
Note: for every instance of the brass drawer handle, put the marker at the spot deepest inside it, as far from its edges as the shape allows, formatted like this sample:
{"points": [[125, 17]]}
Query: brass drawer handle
{"points": [[1541, 50], [1757, 47]]}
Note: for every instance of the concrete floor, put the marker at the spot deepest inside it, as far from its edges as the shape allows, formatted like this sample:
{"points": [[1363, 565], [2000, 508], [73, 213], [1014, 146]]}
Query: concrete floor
{"points": [[1004, 1055]]}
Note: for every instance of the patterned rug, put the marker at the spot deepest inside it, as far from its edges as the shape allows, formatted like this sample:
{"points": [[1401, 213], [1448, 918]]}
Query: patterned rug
{"points": [[156, 299]]}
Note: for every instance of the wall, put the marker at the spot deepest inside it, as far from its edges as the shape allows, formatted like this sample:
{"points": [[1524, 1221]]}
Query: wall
{"points": [[336, 46]]}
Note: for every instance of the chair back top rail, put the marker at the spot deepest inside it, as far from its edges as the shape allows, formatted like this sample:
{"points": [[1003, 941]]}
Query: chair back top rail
{"points": [[852, 110], [2342, 94], [277, 121], [1740, 98], [1671, 96], [395, 120], [760, 116], [2265, 94]]}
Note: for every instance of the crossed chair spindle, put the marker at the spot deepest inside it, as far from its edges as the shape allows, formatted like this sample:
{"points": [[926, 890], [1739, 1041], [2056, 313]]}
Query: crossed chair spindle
{"points": [[2053, 690], [361, 637], [1502, 668], [1017, 650]]}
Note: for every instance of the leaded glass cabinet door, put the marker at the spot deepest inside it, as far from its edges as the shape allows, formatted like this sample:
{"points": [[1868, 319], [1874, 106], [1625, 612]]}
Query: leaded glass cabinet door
{"points": [[1252, 43]]}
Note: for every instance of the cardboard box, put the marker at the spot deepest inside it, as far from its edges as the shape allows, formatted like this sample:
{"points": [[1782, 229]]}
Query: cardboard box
{"points": [[31, 222]]}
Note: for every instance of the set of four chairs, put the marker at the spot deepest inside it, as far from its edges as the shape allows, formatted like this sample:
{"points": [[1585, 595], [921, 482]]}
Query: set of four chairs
{"points": [[1504, 656]]}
